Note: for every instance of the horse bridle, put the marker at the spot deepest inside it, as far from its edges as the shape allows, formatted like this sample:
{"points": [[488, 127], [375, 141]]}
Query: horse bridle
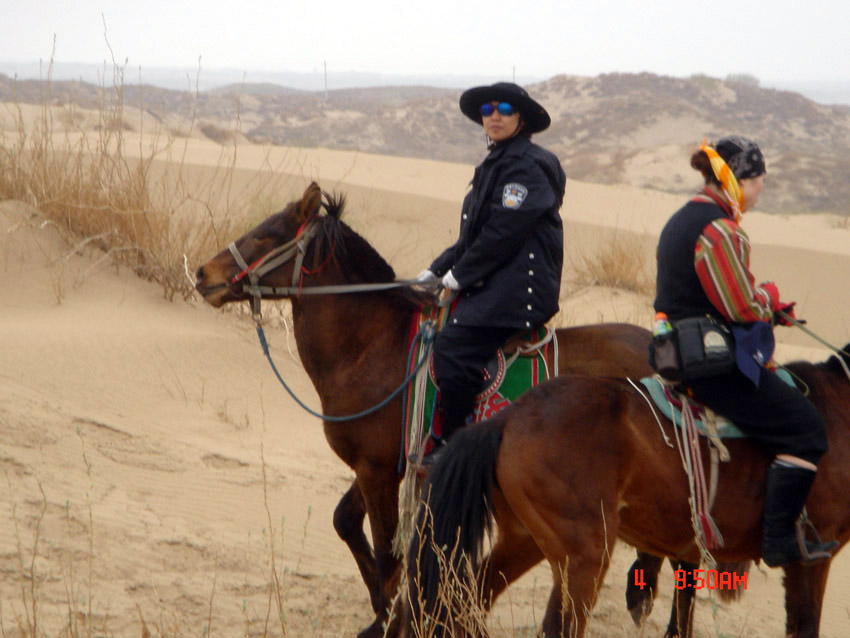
{"points": [[295, 248]]}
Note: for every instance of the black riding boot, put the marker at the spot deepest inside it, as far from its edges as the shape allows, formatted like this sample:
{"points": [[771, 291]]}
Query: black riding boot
{"points": [[787, 488], [455, 408]]}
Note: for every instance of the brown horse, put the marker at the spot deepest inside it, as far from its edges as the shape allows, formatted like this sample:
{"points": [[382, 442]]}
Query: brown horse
{"points": [[578, 462], [354, 348]]}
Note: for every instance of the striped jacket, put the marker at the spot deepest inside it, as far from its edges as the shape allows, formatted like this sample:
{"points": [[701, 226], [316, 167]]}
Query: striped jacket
{"points": [[703, 266]]}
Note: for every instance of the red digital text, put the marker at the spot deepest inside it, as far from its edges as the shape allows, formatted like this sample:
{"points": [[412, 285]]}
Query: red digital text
{"points": [[701, 579]]}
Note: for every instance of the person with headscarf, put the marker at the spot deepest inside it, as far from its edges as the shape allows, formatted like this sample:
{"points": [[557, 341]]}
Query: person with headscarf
{"points": [[703, 271]]}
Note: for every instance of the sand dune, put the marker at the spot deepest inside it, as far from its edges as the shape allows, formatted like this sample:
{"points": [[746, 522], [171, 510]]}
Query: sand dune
{"points": [[157, 469]]}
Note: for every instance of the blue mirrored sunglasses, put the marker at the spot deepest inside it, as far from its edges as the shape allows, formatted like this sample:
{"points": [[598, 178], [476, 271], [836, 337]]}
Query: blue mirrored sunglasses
{"points": [[502, 107]]}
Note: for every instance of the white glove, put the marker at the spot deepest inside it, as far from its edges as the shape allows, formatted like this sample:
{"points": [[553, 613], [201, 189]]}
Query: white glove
{"points": [[450, 282], [426, 277]]}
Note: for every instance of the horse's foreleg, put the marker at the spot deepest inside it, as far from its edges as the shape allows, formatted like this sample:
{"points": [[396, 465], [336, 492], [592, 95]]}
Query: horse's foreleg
{"points": [[348, 523], [804, 590], [380, 494], [642, 585], [642, 589]]}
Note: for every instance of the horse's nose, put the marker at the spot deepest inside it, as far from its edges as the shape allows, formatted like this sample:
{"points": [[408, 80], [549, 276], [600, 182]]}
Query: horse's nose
{"points": [[199, 275]]}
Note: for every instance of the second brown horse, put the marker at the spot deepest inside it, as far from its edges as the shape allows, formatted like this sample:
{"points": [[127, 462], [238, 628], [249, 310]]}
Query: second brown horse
{"points": [[578, 462]]}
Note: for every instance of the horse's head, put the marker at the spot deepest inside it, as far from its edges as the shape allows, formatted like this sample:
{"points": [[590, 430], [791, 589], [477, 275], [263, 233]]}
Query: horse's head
{"points": [[268, 250]]}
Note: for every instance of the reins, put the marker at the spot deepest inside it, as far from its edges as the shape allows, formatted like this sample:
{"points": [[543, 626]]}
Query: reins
{"points": [[425, 335], [296, 248], [839, 353]]}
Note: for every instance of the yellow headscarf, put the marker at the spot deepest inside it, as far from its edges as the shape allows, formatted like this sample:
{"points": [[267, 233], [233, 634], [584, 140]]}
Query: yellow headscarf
{"points": [[727, 180]]}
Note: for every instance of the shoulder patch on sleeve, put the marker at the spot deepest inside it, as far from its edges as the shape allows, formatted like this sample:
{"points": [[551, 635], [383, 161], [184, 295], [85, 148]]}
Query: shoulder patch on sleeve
{"points": [[514, 195]]}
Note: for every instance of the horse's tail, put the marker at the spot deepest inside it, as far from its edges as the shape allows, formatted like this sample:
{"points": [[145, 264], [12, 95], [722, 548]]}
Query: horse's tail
{"points": [[453, 521]]}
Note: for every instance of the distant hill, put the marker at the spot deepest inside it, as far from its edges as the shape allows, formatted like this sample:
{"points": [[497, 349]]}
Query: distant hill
{"points": [[207, 79], [636, 129], [256, 88], [641, 129]]}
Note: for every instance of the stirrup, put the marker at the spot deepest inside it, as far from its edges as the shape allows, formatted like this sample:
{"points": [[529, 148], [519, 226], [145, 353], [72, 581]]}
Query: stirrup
{"points": [[433, 455], [422, 462], [824, 551]]}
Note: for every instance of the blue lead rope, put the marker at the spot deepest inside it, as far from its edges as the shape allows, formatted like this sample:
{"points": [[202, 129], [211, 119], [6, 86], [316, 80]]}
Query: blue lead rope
{"points": [[425, 335]]}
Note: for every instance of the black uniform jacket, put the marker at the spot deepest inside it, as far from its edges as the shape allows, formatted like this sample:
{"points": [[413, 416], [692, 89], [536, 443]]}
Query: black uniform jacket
{"points": [[510, 249]]}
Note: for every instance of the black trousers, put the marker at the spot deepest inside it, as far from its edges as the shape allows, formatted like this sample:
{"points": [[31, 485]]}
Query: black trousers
{"points": [[776, 415], [460, 354]]}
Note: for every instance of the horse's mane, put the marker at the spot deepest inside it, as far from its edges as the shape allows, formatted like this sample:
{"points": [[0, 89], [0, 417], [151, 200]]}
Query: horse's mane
{"points": [[817, 378], [834, 363], [356, 257]]}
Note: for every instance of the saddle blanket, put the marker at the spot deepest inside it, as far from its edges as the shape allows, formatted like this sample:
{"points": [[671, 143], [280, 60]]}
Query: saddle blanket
{"points": [[505, 378], [669, 402]]}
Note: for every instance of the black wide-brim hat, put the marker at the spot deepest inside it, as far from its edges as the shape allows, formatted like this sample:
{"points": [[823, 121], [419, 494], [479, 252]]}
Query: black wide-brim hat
{"points": [[535, 116]]}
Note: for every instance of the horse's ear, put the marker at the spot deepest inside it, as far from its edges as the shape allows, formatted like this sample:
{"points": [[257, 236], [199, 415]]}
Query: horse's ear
{"points": [[310, 202]]}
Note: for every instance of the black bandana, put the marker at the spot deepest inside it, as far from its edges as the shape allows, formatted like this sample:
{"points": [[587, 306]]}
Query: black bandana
{"points": [[743, 156]]}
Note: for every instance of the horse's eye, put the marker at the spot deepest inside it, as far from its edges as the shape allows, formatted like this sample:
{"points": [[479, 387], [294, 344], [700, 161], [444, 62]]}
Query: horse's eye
{"points": [[262, 237]]}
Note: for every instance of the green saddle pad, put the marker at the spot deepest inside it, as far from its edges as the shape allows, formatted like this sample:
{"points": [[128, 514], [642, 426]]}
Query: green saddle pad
{"points": [[505, 379]]}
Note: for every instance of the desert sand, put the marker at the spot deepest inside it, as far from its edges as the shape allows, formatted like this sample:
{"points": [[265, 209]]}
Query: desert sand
{"points": [[155, 476]]}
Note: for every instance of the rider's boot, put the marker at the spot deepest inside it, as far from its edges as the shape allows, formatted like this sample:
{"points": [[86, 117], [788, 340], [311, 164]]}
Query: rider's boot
{"points": [[455, 409], [783, 542]]}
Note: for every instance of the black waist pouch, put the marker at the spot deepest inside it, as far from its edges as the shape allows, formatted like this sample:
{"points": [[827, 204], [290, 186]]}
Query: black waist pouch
{"points": [[697, 347]]}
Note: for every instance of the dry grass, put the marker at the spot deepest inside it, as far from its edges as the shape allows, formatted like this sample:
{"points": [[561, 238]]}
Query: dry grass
{"points": [[458, 606], [137, 205], [617, 263]]}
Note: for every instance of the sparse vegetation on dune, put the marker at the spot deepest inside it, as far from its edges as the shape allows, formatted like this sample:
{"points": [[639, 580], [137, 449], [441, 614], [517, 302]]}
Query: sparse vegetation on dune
{"points": [[120, 185], [617, 263]]}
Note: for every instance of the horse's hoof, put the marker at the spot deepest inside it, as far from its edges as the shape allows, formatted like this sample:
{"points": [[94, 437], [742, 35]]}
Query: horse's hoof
{"points": [[641, 610], [638, 600]]}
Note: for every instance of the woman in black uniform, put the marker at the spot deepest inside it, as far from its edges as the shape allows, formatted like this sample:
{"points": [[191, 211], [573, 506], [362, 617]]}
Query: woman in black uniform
{"points": [[506, 263]]}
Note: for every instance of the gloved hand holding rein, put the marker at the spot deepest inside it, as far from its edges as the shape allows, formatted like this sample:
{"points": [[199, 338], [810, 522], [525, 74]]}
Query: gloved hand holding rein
{"points": [[770, 289]]}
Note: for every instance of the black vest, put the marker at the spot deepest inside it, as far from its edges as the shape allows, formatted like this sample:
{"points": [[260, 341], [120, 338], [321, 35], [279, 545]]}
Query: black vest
{"points": [[678, 291]]}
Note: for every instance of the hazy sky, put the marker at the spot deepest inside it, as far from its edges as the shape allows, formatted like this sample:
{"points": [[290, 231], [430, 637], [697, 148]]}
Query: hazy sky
{"points": [[775, 40]]}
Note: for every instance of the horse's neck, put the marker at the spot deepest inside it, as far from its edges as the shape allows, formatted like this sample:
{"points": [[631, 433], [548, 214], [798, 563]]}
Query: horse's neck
{"points": [[338, 336]]}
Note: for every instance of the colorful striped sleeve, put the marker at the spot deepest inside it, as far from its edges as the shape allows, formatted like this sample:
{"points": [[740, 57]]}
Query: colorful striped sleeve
{"points": [[722, 260]]}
